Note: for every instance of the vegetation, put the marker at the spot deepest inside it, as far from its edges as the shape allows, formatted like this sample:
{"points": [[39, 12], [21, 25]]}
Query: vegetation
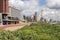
{"points": [[33, 32]]}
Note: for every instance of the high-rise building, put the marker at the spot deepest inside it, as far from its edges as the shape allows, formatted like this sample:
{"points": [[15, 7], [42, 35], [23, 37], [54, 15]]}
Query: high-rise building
{"points": [[35, 17], [4, 6]]}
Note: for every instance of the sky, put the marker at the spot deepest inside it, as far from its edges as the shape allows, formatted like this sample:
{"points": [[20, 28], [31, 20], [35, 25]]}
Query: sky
{"points": [[51, 8], [42, 2]]}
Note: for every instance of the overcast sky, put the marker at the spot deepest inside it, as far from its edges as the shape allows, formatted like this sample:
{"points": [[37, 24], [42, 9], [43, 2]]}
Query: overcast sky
{"points": [[51, 8]]}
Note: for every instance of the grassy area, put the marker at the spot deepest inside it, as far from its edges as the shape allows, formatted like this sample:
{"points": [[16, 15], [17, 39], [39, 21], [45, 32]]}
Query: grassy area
{"points": [[33, 32]]}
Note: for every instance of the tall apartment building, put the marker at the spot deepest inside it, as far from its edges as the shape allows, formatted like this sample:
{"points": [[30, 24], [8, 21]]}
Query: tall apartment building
{"points": [[4, 6]]}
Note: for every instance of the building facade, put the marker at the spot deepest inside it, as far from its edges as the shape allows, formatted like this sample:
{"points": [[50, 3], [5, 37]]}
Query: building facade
{"points": [[4, 12], [4, 6], [14, 12], [35, 17]]}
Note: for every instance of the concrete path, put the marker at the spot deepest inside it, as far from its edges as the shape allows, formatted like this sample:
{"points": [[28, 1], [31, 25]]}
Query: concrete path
{"points": [[13, 27]]}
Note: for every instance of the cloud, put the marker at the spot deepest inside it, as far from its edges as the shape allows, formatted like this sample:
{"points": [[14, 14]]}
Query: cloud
{"points": [[55, 4], [28, 7], [25, 4], [18, 4], [51, 13], [31, 6]]}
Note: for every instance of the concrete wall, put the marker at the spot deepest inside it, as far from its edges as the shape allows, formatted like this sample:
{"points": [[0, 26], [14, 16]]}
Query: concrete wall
{"points": [[0, 15], [14, 12], [0, 18]]}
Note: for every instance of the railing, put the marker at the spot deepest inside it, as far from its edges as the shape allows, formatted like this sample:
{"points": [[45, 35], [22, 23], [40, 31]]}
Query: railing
{"points": [[11, 18]]}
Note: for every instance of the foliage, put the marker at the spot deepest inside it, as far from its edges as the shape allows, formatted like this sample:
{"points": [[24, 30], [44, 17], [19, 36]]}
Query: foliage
{"points": [[33, 32]]}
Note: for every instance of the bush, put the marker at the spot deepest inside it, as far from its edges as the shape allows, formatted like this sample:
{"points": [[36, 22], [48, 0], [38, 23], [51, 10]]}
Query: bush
{"points": [[33, 32]]}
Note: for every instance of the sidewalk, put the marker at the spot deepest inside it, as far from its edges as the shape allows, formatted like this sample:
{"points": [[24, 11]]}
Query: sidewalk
{"points": [[13, 27]]}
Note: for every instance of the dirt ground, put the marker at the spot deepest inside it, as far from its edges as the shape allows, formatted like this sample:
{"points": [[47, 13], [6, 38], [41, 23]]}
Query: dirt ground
{"points": [[13, 27]]}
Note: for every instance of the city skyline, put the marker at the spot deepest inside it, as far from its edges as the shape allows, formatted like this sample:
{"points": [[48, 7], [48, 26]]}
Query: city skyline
{"points": [[51, 7]]}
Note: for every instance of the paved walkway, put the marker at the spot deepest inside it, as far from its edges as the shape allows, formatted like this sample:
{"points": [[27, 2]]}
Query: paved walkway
{"points": [[13, 27]]}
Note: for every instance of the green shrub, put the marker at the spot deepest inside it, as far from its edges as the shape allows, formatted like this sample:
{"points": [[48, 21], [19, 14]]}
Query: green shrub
{"points": [[33, 32]]}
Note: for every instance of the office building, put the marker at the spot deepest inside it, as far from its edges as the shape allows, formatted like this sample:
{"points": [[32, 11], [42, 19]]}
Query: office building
{"points": [[4, 8]]}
